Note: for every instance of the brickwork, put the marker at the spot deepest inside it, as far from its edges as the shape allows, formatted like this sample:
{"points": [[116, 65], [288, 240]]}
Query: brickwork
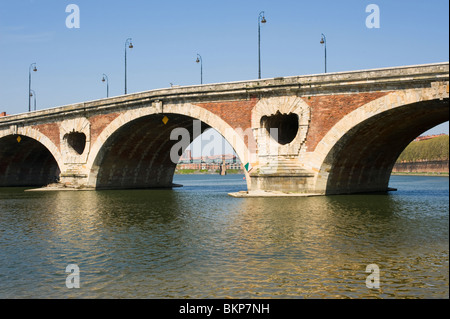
{"points": [[238, 114], [50, 130], [327, 110], [99, 123], [422, 167]]}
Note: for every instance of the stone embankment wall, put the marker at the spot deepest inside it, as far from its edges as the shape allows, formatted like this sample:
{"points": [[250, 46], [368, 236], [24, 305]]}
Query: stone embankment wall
{"points": [[422, 167]]}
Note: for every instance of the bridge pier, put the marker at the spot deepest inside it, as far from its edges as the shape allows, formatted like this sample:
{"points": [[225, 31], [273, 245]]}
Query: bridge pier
{"points": [[284, 183], [73, 180], [282, 174]]}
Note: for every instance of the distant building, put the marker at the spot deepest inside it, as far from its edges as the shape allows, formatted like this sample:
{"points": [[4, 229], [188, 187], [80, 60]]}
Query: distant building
{"points": [[427, 137], [213, 162]]}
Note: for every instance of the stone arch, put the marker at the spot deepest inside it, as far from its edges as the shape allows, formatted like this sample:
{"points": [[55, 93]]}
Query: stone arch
{"points": [[183, 113], [39, 137], [28, 158], [358, 153]]}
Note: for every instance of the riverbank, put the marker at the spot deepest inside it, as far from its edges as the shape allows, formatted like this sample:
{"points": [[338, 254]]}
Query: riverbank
{"points": [[420, 174], [209, 172], [206, 171], [237, 172]]}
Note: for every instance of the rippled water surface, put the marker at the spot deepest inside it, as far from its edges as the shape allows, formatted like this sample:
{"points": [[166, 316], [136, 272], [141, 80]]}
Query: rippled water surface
{"points": [[198, 242]]}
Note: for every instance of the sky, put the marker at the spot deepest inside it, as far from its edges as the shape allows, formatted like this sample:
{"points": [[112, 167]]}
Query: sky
{"points": [[168, 35]]}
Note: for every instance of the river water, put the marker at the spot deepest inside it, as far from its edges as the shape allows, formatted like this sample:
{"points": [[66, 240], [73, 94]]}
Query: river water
{"points": [[198, 242]]}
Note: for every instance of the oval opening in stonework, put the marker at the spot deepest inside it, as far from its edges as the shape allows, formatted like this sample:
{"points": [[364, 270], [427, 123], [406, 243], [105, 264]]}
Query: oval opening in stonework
{"points": [[77, 141], [282, 127]]}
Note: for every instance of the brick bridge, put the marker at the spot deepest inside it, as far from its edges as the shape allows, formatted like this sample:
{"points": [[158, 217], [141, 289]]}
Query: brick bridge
{"points": [[324, 134]]}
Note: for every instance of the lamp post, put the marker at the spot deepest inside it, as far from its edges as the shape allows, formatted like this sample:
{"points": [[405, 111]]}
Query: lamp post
{"points": [[33, 94], [199, 60], [128, 45], [34, 69], [261, 19], [324, 41], [105, 79]]}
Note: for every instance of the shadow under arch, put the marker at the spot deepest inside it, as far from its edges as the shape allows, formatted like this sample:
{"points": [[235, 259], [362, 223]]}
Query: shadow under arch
{"points": [[363, 158], [26, 162], [136, 152]]}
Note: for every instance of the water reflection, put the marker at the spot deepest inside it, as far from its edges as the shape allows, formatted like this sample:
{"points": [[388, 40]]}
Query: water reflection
{"points": [[197, 242]]}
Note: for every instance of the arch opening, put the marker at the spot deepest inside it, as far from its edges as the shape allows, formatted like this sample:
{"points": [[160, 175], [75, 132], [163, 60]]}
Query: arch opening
{"points": [[210, 152], [363, 159], [76, 141], [144, 152], [283, 128], [25, 162]]}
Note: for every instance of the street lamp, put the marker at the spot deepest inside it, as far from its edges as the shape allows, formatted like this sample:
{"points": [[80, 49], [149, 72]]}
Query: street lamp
{"points": [[128, 45], [261, 19], [33, 94], [324, 41], [105, 79], [199, 60], [34, 69]]}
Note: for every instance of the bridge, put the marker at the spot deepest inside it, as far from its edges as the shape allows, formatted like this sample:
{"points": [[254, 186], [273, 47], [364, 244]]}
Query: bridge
{"points": [[332, 133]]}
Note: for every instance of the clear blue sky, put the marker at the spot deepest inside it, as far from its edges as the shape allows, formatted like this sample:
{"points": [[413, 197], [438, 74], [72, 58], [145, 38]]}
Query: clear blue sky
{"points": [[167, 35]]}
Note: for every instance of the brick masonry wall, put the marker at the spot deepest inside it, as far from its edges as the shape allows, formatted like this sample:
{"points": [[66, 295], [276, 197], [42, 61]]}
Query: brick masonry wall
{"points": [[50, 130], [422, 167], [327, 110], [238, 114], [99, 123]]}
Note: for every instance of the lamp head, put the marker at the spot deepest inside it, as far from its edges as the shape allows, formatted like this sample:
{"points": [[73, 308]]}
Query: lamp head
{"points": [[131, 45], [263, 20]]}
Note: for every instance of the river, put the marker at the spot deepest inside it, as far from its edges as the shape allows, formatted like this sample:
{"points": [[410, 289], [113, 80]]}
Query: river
{"points": [[198, 242]]}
